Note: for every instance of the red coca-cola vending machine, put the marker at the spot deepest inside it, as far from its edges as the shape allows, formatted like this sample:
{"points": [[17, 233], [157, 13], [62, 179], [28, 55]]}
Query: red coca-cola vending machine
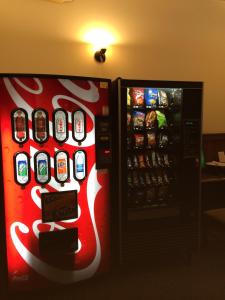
{"points": [[56, 178]]}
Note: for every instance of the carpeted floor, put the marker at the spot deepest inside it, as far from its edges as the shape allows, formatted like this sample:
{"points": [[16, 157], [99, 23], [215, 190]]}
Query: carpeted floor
{"points": [[203, 279]]}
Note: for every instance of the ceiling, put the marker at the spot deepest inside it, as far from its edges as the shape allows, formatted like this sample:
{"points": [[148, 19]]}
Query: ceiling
{"points": [[131, 21]]}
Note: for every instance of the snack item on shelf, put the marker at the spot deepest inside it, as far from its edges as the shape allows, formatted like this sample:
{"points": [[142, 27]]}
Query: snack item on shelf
{"points": [[177, 97], [130, 180], [128, 120], [159, 159], [137, 96], [147, 178], [151, 139], [148, 161], [138, 119], [151, 119], [159, 177], [151, 97], [166, 159], [129, 162], [139, 140], [142, 180], [165, 177], [128, 142], [153, 159], [163, 140], [135, 161], [141, 161], [128, 97], [161, 118], [163, 99], [154, 179]]}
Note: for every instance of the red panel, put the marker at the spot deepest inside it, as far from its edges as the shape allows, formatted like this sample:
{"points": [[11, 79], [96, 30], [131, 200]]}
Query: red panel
{"points": [[23, 206]]}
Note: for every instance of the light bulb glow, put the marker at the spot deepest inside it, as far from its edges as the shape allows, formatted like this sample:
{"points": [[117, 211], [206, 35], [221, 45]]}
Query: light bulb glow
{"points": [[99, 38]]}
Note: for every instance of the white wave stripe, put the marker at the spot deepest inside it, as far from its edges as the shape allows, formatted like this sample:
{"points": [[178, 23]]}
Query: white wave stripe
{"points": [[28, 89], [31, 134], [35, 197], [91, 95], [37, 223], [17, 99], [52, 227], [90, 138], [53, 273]]}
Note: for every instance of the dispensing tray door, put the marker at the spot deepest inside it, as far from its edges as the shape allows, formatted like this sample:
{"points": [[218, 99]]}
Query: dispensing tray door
{"points": [[60, 242]]}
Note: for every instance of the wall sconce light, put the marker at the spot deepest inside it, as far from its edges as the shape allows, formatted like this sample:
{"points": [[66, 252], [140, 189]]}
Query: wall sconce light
{"points": [[100, 55], [101, 40]]}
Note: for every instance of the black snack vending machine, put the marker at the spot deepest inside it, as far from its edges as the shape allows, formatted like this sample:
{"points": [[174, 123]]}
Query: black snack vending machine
{"points": [[159, 137]]}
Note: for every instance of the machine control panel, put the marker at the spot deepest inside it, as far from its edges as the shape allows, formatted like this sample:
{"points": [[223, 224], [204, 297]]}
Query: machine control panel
{"points": [[103, 142]]}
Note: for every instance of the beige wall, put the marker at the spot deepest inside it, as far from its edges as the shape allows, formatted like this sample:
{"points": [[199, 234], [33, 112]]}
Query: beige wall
{"points": [[176, 55]]}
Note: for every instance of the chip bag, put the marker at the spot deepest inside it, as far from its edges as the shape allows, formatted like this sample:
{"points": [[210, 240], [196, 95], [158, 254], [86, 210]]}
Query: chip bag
{"points": [[161, 118]]}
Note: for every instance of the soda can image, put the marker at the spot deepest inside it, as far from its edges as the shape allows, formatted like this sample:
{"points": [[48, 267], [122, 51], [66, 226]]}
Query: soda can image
{"points": [[79, 125], [40, 125], [80, 165], [60, 125], [61, 161], [19, 121], [61, 166], [21, 168], [42, 167]]}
